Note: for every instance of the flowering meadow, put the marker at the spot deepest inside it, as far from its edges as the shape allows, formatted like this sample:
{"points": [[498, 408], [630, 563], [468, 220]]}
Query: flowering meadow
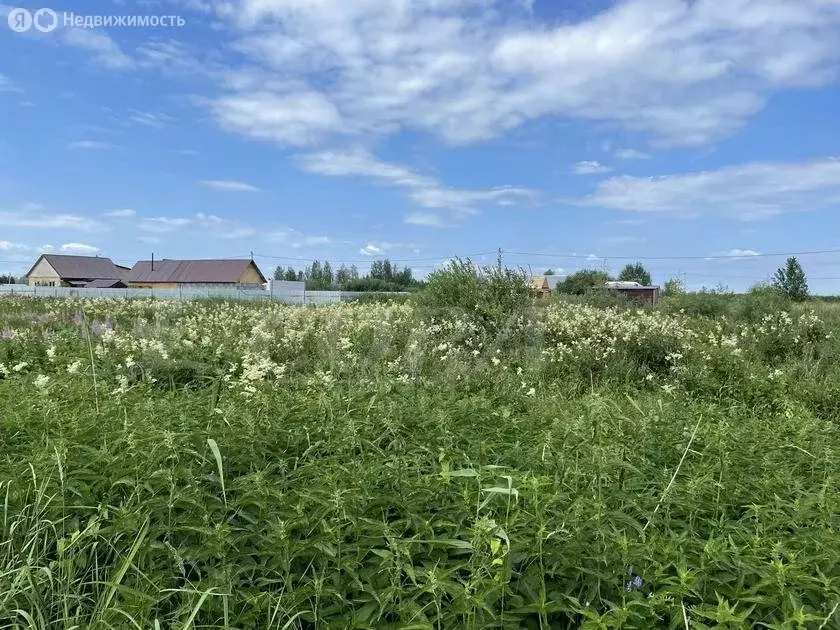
{"points": [[171, 464]]}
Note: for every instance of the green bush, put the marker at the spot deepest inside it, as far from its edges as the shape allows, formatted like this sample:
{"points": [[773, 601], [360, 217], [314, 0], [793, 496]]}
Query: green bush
{"points": [[759, 301], [583, 281], [701, 304], [493, 294]]}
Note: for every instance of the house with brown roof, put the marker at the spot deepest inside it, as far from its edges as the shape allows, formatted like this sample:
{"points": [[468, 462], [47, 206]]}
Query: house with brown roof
{"points": [[60, 270], [174, 274], [540, 286]]}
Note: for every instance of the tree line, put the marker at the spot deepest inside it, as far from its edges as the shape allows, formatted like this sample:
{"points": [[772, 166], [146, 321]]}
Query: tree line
{"points": [[583, 281], [383, 276], [789, 280]]}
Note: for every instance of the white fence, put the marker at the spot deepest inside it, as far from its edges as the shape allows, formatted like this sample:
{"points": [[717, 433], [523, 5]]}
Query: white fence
{"points": [[276, 293]]}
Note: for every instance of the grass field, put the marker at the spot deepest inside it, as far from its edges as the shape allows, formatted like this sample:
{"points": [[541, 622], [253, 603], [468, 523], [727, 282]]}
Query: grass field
{"points": [[218, 465]]}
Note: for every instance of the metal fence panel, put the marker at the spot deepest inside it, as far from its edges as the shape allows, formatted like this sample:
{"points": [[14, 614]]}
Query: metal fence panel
{"points": [[285, 293]]}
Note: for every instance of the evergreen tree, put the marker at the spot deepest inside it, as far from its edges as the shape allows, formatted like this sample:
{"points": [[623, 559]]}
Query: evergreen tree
{"points": [[342, 275], [327, 274], [791, 281]]}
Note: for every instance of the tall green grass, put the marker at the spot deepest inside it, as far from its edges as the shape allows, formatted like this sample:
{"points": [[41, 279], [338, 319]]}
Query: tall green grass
{"points": [[451, 499]]}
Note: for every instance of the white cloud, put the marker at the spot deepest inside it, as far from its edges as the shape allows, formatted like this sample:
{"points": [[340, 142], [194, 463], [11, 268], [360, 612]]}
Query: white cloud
{"points": [[426, 219], [224, 228], [631, 154], [378, 248], [32, 217], [294, 238], [316, 240], [735, 254], [162, 224], [124, 213], [682, 72], [150, 240], [7, 85], [79, 249], [7, 246], [90, 144], [295, 119], [590, 168], [228, 185], [106, 51], [423, 190], [156, 121], [746, 191]]}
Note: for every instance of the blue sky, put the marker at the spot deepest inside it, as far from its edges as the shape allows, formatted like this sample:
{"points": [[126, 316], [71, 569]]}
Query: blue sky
{"points": [[570, 135]]}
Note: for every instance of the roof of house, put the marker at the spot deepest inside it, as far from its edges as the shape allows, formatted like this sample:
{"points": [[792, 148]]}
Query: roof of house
{"points": [[539, 283], [623, 284], [106, 283], [80, 267], [210, 271], [629, 286]]}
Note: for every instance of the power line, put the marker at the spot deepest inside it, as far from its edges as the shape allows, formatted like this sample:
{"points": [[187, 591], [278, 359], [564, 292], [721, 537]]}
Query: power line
{"points": [[593, 257], [373, 258]]}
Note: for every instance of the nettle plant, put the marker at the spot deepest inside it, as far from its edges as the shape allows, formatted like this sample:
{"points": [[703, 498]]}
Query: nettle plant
{"points": [[383, 465]]}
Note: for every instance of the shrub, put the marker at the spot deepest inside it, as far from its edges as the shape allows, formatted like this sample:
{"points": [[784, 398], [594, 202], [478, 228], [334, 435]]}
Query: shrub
{"points": [[491, 293], [701, 304], [761, 300], [673, 286], [583, 281]]}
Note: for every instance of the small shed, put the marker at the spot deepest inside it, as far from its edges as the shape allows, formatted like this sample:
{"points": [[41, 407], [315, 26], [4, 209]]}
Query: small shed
{"points": [[635, 291], [540, 286]]}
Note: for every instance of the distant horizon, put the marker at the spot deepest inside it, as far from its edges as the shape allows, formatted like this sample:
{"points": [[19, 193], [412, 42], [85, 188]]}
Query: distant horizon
{"points": [[268, 269]]}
